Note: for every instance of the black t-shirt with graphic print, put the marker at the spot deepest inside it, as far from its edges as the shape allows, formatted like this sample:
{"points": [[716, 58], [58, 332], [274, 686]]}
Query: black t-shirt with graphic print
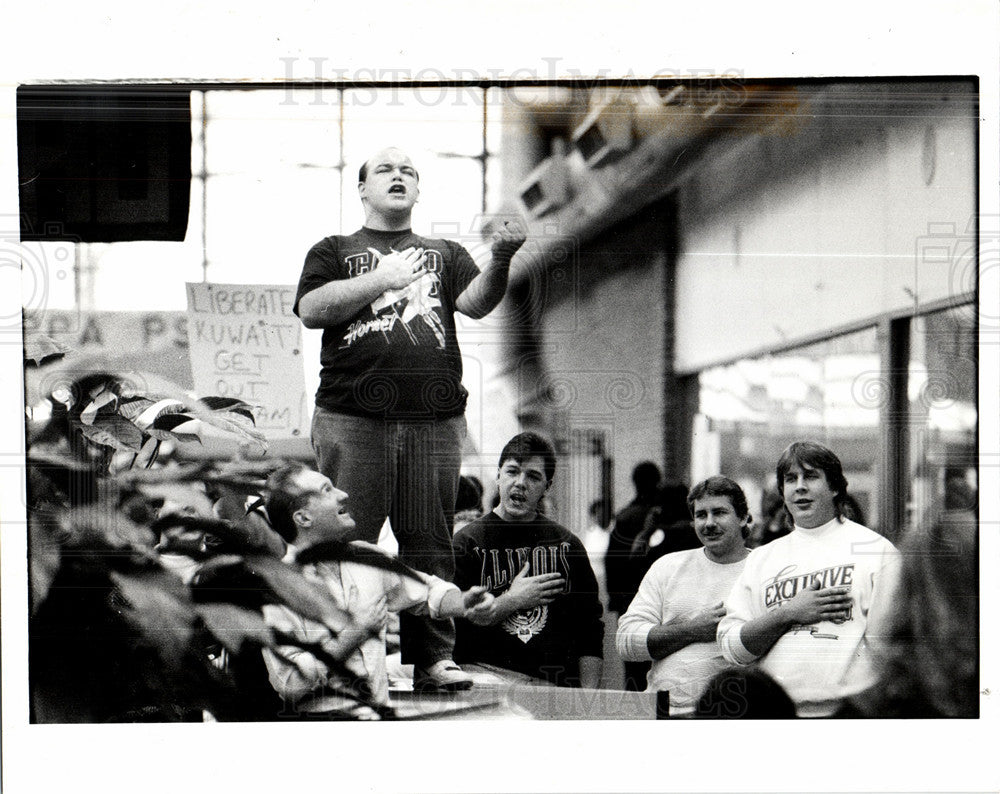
{"points": [[546, 641], [398, 357]]}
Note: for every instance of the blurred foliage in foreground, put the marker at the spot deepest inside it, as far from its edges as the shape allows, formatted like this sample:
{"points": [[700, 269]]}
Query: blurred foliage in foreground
{"points": [[148, 577]]}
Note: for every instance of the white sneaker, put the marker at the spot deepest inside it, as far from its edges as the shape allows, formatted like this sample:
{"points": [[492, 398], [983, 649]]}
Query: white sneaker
{"points": [[442, 676]]}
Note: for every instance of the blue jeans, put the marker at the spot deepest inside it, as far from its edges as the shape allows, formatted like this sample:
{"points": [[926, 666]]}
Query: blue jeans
{"points": [[407, 471]]}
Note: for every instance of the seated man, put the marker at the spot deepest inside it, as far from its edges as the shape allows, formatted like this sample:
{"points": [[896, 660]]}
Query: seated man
{"points": [[805, 604], [546, 618], [673, 618], [306, 509]]}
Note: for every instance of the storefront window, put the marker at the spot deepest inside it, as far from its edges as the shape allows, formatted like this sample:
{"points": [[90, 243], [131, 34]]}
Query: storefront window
{"points": [[749, 411], [943, 414], [833, 392]]}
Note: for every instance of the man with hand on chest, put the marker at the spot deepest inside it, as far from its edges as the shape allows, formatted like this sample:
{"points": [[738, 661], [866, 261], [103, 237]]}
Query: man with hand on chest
{"points": [[390, 410], [545, 620], [675, 614], [808, 606]]}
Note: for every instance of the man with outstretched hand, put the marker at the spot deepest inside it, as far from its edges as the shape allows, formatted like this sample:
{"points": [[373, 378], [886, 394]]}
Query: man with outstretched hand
{"points": [[307, 510]]}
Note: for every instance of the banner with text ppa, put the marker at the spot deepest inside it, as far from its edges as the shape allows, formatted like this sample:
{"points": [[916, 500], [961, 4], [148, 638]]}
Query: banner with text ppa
{"points": [[246, 343]]}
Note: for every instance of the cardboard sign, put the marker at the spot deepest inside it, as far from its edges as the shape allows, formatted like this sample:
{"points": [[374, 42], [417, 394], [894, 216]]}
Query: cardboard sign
{"points": [[245, 343], [119, 343]]}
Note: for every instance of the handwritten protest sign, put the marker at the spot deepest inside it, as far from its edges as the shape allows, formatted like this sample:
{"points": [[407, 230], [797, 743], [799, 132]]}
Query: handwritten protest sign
{"points": [[245, 343]]}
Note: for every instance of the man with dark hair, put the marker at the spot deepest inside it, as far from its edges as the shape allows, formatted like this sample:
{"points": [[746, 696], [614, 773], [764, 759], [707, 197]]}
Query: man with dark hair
{"points": [[390, 410], [805, 605], [622, 571], [306, 508], [546, 618], [469, 503], [816, 459], [283, 499], [628, 524], [667, 529], [744, 693], [674, 616]]}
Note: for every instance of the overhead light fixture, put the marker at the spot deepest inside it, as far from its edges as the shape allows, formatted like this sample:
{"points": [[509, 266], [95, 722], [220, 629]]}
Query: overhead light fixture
{"points": [[606, 133], [547, 187]]}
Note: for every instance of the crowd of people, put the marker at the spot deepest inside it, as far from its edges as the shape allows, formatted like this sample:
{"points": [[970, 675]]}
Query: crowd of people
{"points": [[822, 613], [830, 620], [821, 619]]}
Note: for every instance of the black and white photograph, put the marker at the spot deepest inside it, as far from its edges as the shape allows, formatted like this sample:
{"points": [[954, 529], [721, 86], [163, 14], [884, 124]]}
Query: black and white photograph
{"points": [[551, 408]]}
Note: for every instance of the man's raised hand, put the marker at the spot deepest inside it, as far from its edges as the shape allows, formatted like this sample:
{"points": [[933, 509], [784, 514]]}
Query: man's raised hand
{"points": [[507, 239]]}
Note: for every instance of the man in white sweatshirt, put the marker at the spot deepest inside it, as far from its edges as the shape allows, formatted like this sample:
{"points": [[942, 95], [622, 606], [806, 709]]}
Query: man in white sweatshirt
{"points": [[674, 615], [807, 605]]}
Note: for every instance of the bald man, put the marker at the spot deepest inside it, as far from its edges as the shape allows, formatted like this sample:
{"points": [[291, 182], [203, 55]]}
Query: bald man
{"points": [[390, 410]]}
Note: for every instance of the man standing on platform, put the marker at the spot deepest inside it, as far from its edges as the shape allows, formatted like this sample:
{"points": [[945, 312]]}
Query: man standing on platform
{"points": [[546, 618], [390, 410]]}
